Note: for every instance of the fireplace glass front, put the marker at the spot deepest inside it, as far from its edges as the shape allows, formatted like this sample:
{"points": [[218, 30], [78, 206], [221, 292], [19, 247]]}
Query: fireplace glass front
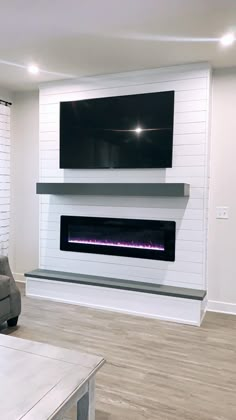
{"points": [[149, 239]]}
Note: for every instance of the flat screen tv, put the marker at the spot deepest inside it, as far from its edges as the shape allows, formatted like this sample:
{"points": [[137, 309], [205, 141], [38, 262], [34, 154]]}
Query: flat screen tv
{"points": [[131, 131]]}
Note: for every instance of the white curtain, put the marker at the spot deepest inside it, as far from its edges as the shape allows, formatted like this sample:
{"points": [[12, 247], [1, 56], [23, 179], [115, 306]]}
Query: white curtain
{"points": [[4, 177]]}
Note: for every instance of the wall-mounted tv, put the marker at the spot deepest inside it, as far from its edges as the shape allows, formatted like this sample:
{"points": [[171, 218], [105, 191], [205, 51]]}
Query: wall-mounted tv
{"points": [[131, 131]]}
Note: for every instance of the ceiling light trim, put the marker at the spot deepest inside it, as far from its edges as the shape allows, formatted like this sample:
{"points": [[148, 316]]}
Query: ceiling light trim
{"points": [[227, 39], [24, 67]]}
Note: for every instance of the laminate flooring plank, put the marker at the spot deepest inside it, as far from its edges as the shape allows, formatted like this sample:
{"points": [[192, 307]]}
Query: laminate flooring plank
{"points": [[154, 370]]}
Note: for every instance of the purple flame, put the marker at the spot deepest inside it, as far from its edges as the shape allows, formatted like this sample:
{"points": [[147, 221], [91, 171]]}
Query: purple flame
{"points": [[116, 244]]}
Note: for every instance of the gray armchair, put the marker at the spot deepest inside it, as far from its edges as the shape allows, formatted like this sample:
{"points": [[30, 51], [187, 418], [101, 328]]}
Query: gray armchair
{"points": [[10, 299]]}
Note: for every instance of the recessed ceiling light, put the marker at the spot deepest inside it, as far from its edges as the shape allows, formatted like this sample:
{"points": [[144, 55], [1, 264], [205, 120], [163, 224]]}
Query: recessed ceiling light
{"points": [[138, 130], [227, 39], [33, 69]]}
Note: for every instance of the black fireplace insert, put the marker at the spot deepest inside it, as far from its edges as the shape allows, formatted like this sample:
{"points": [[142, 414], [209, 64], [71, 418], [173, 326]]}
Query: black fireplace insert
{"points": [[149, 239]]}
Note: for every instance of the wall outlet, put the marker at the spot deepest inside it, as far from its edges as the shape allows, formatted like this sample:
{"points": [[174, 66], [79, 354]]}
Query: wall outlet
{"points": [[222, 212]]}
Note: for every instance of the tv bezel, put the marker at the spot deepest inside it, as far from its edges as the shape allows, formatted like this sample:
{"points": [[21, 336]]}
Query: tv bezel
{"points": [[117, 167]]}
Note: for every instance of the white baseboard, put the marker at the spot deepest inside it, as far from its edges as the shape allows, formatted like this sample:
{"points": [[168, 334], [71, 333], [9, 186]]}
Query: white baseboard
{"points": [[19, 277], [186, 311], [223, 307]]}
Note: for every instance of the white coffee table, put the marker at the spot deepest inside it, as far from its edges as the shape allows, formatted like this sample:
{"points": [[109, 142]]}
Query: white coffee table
{"points": [[40, 382]]}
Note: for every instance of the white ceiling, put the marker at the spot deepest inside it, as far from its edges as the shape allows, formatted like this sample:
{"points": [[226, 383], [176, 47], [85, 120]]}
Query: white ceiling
{"points": [[87, 37]]}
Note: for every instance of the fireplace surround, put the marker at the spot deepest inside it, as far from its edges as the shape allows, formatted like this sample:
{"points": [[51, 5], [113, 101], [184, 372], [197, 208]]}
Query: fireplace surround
{"points": [[148, 239], [129, 194]]}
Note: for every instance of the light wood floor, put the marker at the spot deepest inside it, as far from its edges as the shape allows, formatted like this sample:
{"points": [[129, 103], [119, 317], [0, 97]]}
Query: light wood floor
{"points": [[155, 370]]}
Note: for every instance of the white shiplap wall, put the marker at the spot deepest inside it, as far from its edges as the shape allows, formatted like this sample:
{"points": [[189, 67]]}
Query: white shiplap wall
{"points": [[190, 164], [4, 178]]}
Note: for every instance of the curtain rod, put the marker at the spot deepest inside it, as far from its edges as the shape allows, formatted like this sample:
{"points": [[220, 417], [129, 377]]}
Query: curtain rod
{"points": [[6, 103]]}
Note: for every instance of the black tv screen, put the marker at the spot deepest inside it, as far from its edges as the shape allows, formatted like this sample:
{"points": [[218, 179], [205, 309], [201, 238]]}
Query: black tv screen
{"points": [[132, 131]]}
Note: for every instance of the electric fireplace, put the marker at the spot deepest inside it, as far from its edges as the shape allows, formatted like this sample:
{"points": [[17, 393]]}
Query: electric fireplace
{"points": [[149, 239]]}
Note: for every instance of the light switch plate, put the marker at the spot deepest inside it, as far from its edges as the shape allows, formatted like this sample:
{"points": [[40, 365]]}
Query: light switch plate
{"points": [[222, 212]]}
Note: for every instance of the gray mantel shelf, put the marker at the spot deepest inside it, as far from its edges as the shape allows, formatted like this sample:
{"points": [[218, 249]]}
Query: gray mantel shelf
{"points": [[114, 189]]}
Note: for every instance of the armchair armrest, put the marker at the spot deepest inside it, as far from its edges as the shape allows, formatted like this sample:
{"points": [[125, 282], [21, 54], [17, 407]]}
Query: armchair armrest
{"points": [[4, 287], [5, 267]]}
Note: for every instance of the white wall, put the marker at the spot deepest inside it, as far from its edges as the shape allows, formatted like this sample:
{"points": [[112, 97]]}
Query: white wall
{"points": [[24, 174], [190, 164], [222, 233], [6, 94]]}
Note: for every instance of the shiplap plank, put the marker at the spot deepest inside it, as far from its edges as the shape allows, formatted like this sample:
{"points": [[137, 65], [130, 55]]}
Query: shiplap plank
{"points": [[126, 79], [110, 270], [198, 84], [170, 173], [128, 263], [178, 209], [180, 96], [163, 213]]}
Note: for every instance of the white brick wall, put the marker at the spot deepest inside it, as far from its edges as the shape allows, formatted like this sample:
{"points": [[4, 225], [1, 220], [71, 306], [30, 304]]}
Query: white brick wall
{"points": [[190, 164], [4, 178]]}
